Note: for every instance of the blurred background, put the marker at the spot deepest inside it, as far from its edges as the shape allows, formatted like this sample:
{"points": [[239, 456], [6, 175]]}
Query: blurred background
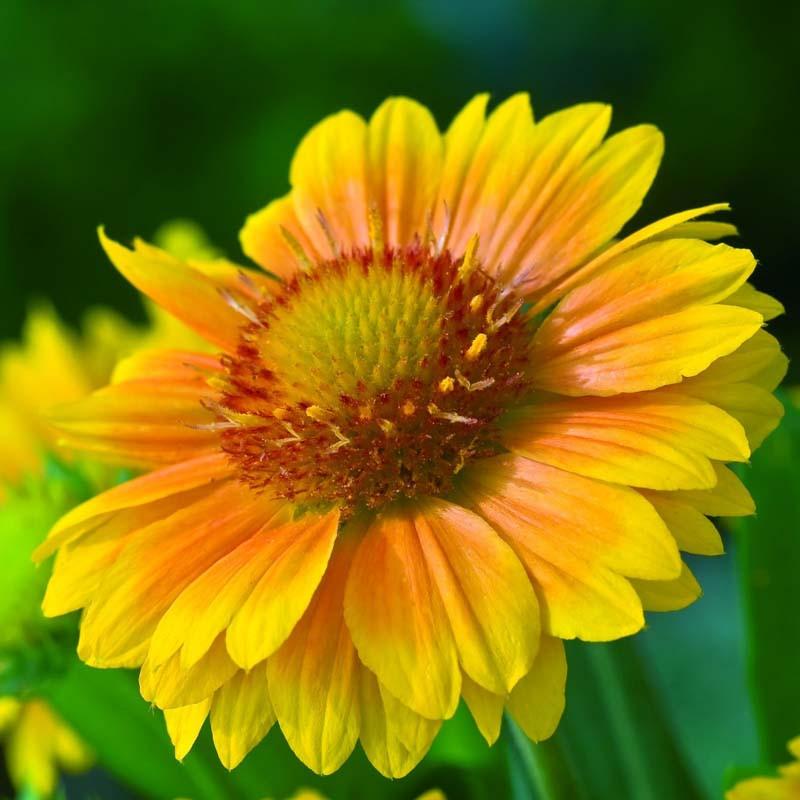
{"points": [[133, 113]]}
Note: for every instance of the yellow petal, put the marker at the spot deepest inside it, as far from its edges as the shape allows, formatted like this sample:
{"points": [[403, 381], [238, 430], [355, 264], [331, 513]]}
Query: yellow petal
{"points": [[669, 595], [599, 263], [241, 715], [537, 701], [498, 162], [487, 595], [693, 531], [169, 685], [658, 440], [559, 146], [592, 205], [394, 737], [728, 498], [486, 708], [645, 355], [282, 594], [460, 143], [313, 678], [653, 280], [329, 175], [748, 296], [397, 619], [184, 724], [405, 151]]}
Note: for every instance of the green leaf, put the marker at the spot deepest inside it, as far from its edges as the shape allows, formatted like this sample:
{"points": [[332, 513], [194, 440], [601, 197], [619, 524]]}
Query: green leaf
{"points": [[538, 770], [768, 552], [130, 739], [614, 731]]}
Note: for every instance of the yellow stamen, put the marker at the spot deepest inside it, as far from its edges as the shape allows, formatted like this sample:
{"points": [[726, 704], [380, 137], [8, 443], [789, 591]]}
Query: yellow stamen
{"points": [[408, 408], [376, 233], [319, 414], [477, 347], [470, 261], [386, 426], [446, 385], [476, 303]]}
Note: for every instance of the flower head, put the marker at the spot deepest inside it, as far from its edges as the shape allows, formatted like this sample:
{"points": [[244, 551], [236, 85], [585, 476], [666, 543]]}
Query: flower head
{"points": [[38, 746], [463, 424]]}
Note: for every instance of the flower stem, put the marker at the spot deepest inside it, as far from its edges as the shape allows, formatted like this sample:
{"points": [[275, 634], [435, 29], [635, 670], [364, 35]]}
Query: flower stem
{"points": [[538, 770]]}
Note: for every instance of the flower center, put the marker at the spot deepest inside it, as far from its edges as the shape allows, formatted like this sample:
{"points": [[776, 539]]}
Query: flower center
{"points": [[373, 376]]}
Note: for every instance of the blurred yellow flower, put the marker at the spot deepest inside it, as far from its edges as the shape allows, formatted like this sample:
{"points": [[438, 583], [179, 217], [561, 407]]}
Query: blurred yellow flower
{"points": [[38, 745], [466, 423], [785, 786], [50, 366]]}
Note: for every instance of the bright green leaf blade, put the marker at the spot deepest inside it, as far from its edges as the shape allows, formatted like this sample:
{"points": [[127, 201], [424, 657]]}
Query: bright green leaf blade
{"points": [[129, 739], [769, 560]]}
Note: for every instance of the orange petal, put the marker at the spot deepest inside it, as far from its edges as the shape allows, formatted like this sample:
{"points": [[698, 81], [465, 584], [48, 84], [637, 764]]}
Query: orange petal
{"points": [[658, 440], [141, 424], [313, 677], [241, 715], [166, 484], [487, 595], [397, 619], [404, 151], [157, 565], [208, 605], [576, 537], [281, 595], [329, 176], [184, 291], [263, 238], [394, 737], [538, 700]]}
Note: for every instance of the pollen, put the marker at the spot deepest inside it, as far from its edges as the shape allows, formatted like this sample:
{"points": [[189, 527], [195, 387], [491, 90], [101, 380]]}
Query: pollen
{"points": [[369, 377]]}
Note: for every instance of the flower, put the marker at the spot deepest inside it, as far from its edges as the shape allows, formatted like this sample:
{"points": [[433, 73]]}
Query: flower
{"points": [[460, 424], [39, 745], [786, 786], [49, 367]]}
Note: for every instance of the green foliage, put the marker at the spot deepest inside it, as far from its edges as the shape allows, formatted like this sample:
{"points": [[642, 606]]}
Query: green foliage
{"points": [[769, 561]]}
